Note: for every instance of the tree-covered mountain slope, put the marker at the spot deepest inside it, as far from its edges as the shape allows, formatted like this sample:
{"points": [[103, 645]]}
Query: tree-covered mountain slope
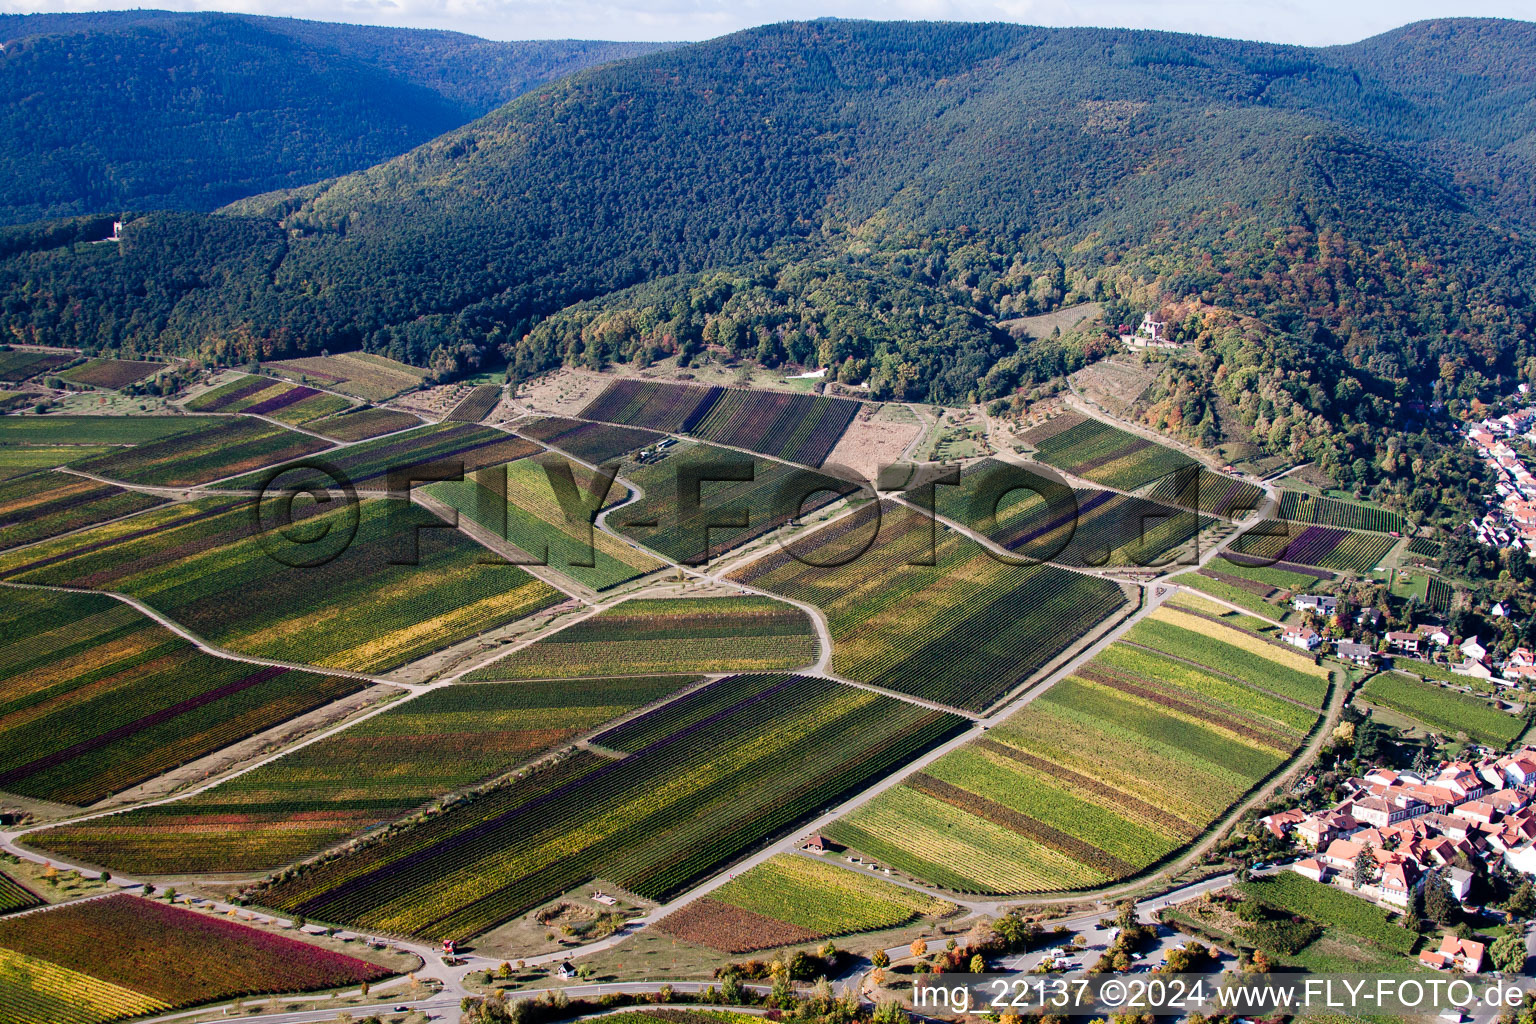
{"points": [[879, 196], [151, 109]]}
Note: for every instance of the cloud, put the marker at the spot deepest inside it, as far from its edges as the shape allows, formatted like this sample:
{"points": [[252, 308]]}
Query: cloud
{"points": [[1310, 22]]}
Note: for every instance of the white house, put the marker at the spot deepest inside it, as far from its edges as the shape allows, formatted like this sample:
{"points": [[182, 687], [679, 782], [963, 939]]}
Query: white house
{"points": [[1305, 638], [1473, 650]]}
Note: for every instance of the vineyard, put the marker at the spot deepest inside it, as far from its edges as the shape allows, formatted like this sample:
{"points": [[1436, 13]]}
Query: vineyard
{"points": [[14, 896], [97, 698], [753, 495], [480, 400], [374, 772], [111, 373], [595, 443], [1042, 520], [362, 375], [1276, 540], [811, 897], [668, 408], [38, 992], [21, 431], [1104, 454], [949, 631], [1439, 595], [711, 634], [797, 428], [1424, 546], [652, 822], [518, 503], [45, 504], [1301, 507], [267, 396], [1293, 894], [1213, 493], [155, 957], [362, 422], [794, 427], [17, 365], [218, 447], [368, 465], [1258, 588], [1103, 775], [1442, 710], [204, 564]]}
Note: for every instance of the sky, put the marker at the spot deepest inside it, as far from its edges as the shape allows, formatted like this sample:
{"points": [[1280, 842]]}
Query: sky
{"points": [[1309, 22]]}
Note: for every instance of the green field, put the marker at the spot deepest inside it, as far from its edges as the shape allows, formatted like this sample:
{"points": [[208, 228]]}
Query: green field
{"points": [[711, 634], [685, 526], [205, 564], [370, 774], [519, 503], [1442, 710], [97, 698], [218, 447], [1333, 908], [1103, 775], [950, 631], [652, 822], [92, 430], [793, 895]]}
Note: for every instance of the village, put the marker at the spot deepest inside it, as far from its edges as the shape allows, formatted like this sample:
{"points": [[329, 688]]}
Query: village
{"points": [[1511, 519]]}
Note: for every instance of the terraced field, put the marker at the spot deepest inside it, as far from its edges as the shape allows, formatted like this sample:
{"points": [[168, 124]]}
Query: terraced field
{"points": [[97, 698], [1300, 507], [791, 899], [369, 774], [964, 629], [1104, 454], [42, 503], [372, 378], [1442, 710], [519, 503], [217, 447], [710, 634], [207, 565], [123, 956], [368, 465], [596, 443], [1276, 540], [701, 501], [1042, 520], [111, 373], [1105, 774], [651, 822]]}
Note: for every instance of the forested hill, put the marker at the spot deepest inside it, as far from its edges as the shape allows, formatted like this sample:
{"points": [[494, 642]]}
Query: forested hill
{"points": [[152, 109], [878, 196]]}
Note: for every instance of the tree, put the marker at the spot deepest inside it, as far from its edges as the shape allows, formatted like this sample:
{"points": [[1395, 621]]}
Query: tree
{"points": [[918, 947], [363, 988], [978, 964], [1508, 953], [1522, 902], [1439, 903], [890, 1012], [1365, 867], [880, 959]]}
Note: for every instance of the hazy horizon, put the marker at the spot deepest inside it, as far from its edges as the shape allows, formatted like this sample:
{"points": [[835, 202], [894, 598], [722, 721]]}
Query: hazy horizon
{"points": [[1305, 22]]}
